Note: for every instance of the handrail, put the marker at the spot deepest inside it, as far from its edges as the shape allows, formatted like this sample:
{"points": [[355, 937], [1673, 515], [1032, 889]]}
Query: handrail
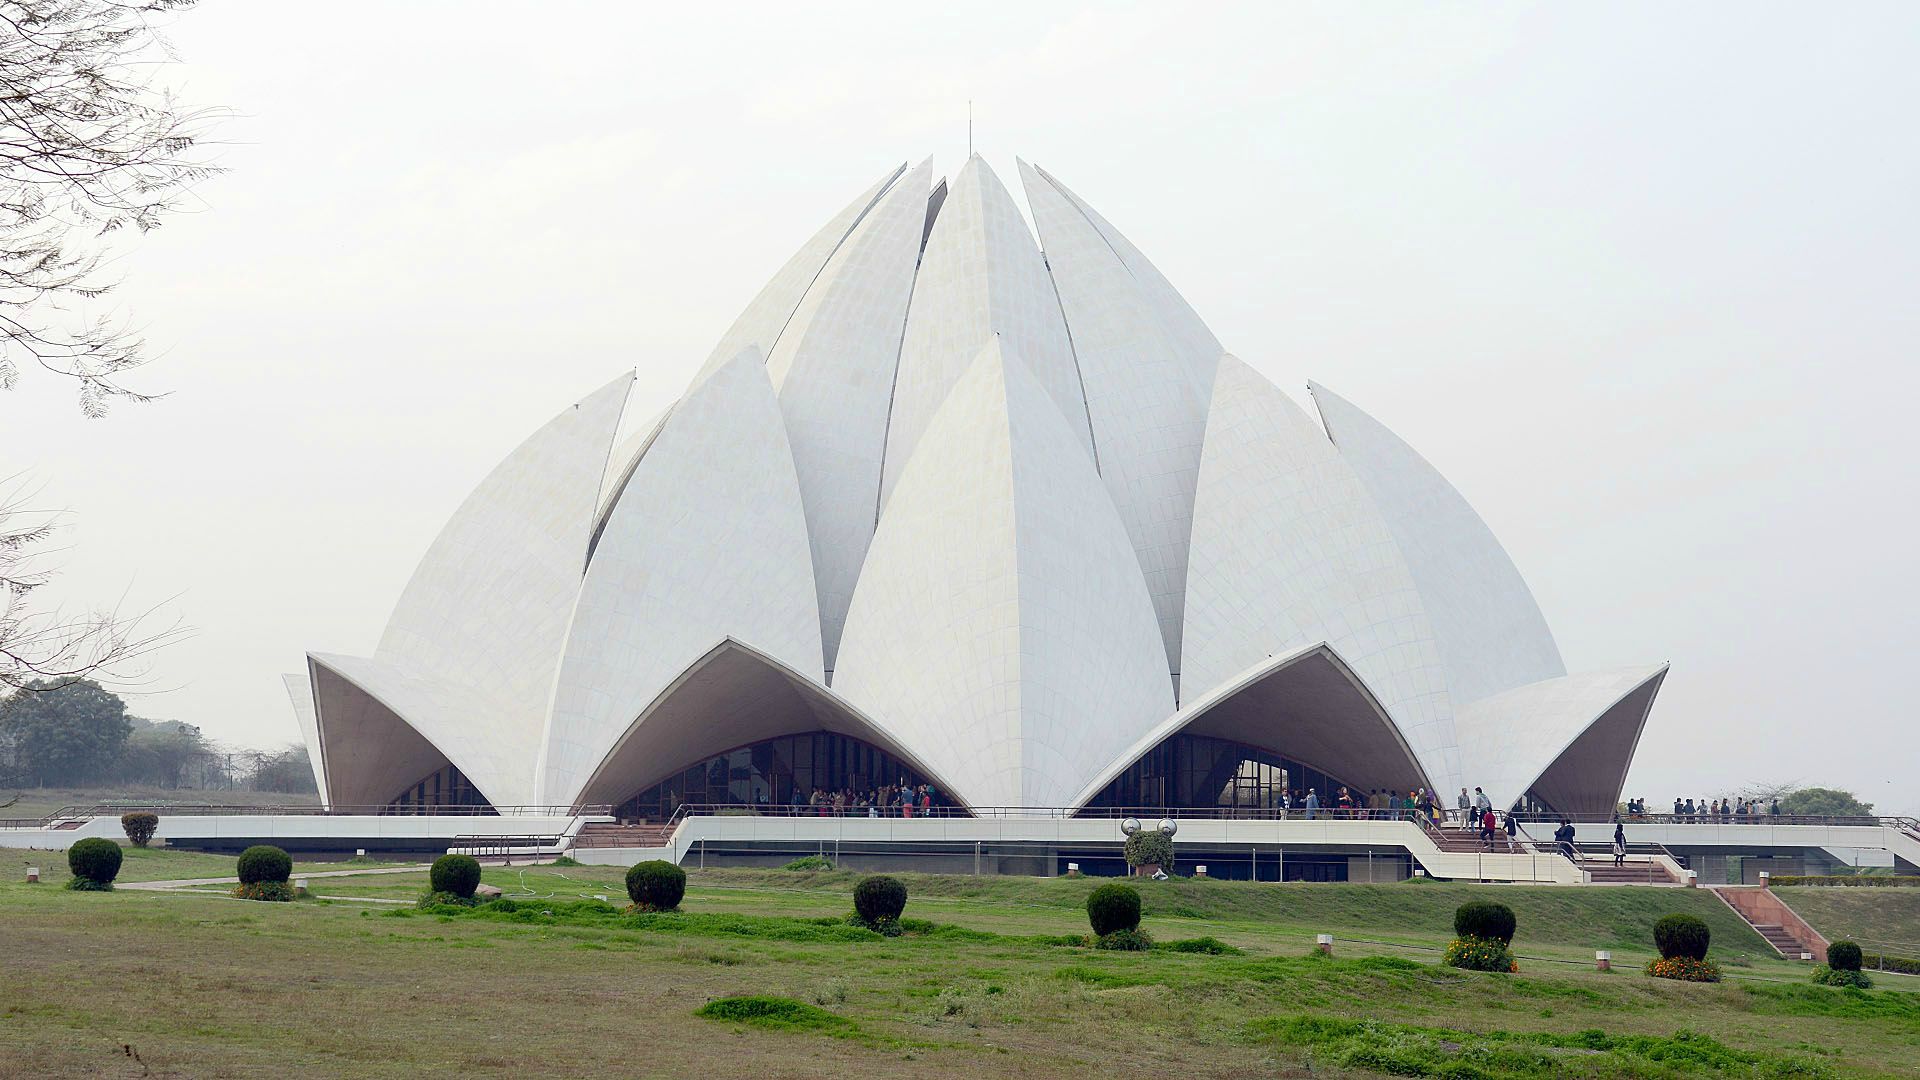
{"points": [[68, 813], [1146, 815]]}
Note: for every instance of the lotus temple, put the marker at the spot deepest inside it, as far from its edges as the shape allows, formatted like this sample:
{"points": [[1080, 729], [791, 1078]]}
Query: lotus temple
{"points": [[959, 505], [983, 513]]}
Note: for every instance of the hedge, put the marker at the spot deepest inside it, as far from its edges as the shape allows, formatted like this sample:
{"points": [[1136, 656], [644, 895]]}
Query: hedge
{"points": [[264, 862], [1884, 881], [1486, 920], [1904, 965], [656, 885], [94, 861], [456, 874], [1113, 907], [140, 826]]}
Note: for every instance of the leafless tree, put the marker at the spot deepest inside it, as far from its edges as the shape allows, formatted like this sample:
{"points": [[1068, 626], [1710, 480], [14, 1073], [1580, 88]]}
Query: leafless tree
{"points": [[89, 147], [48, 648]]}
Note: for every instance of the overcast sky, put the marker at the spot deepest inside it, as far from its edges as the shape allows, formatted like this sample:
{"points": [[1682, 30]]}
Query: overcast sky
{"points": [[1643, 281]]}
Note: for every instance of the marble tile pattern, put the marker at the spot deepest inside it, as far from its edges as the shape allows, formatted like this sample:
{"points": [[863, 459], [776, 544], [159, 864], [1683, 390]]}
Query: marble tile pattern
{"points": [[1001, 627], [1000, 503], [1146, 402], [708, 541], [1289, 549], [1491, 634]]}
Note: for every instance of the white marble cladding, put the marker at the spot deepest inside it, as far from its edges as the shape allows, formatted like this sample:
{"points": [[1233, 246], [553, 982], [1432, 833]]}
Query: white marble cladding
{"points": [[1491, 634], [1113, 520], [1288, 549], [300, 693], [980, 275], [709, 541], [1001, 629]]}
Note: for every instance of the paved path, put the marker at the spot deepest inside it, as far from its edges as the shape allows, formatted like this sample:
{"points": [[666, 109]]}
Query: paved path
{"points": [[187, 883]]}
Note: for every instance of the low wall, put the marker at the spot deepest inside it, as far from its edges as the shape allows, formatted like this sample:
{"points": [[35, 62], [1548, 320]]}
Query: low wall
{"points": [[1762, 907]]}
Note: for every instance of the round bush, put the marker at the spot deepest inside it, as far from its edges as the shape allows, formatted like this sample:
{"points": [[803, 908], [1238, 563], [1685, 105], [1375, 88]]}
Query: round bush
{"points": [[264, 862], [879, 897], [656, 885], [456, 874], [95, 859], [1113, 907], [1150, 848], [1486, 920], [1682, 936], [140, 826], [1843, 956]]}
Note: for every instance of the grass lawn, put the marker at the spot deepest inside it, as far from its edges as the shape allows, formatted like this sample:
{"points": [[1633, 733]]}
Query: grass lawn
{"points": [[200, 985], [1881, 919]]}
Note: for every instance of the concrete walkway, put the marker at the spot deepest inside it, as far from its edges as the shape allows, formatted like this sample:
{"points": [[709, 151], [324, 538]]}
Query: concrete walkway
{"points": [[187, 883]]}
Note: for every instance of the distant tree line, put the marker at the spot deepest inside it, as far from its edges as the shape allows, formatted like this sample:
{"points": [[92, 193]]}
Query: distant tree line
{"points": [[80, 733]]}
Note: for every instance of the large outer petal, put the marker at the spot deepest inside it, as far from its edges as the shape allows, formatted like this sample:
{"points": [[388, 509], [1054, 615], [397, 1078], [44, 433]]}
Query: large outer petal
{"points": [[1288, 549], [1491, 634], [1146, 402], [1001, 629], [980, 275], [834, 369], [300, 692], [487, 609], [1576, 732], [708, 541], [381, 730]]}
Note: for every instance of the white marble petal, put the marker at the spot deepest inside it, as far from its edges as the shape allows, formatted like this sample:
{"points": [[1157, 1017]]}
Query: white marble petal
{"points": [[834, 370], [440, 712], [1584, 725], [1491, 634], [1183, 326], [487, 609], [980, 275], [708, 541], [1288, 549], [300, 692], [1147, 404], [760, 325], [1001, 630]]}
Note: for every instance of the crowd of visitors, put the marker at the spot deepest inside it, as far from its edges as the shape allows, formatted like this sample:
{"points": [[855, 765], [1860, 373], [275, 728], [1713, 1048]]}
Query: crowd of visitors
{"points": [[887, 800], [1728, 810]]}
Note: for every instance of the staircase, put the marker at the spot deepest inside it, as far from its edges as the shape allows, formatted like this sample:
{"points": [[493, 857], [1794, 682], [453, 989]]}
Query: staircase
{"points": [[1644, 871], [1781, 939], [610, 835], [1468, 841]]}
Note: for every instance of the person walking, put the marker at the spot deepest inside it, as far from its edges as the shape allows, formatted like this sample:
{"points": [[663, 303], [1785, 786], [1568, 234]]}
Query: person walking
{"points": [[1487, 829], [1619, 844], [1312, 803], [1513, 830]]}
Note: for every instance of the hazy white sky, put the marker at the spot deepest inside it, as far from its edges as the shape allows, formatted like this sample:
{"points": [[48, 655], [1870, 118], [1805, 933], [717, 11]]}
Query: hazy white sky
{"points": [[1642, 280]]}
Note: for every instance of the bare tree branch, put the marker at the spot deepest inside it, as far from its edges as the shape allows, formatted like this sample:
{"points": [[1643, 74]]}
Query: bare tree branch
{"points": [[89, 147]]}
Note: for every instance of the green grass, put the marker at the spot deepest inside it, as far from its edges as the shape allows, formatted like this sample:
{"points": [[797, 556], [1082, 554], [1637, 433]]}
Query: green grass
{"points": [[1880, 919], [987, 982], [157, 864]]}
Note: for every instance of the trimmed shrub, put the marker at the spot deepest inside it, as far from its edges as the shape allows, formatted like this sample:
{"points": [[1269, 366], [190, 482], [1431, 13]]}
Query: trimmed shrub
{"points": [[279, 891], [1870, 881], [1124, 941], [456, 874], [140, 826], [1684, 968], [1832, 976], [1682, 936], [1484, 919], [264, 862], [1208, 946], [656, 885], [809, 863], [95, 861], [1481, 954], [1843, 955], [1113, 907], [436, 899], [1150, 847], [880, 898]]}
